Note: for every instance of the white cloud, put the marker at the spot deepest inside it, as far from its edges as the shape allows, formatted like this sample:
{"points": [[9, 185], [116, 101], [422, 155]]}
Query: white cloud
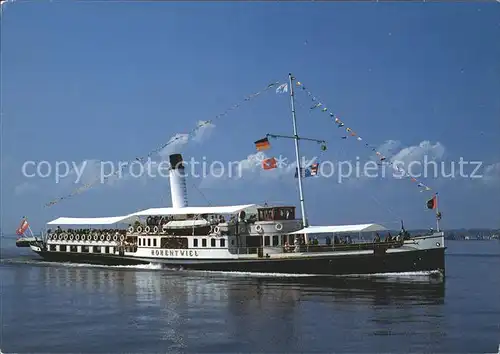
{"points": [[413, 156], [95, 172], [492, 173], [418, 152], [24, 188], [413, 153], [177, 143], [250, 169]]}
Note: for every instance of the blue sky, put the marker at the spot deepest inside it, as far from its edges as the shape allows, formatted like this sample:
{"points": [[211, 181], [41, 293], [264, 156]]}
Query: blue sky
{"points": [[113, 81]]}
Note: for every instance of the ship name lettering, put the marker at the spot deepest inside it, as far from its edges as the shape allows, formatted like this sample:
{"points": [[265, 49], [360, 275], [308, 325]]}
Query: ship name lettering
{"points": [[175, 253]]}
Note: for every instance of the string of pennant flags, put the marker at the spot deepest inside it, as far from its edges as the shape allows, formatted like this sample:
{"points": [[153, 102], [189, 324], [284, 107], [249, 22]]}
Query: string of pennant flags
{"points": [[317, 105], [143, 159]]}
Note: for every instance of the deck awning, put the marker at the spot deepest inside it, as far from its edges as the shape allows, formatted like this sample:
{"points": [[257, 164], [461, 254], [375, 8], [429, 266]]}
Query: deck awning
{"points": [[187, 223], [340, 229], [90, 221], [233, 209]]}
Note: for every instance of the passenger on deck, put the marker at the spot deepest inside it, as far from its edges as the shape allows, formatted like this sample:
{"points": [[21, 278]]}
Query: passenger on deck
{"points": [[315, 241], [377, 237], [336, 240], [388, 238], [328, 240], [297, 245]]}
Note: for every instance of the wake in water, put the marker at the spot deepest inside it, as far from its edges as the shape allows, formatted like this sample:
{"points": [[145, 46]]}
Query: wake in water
{"points": [[22, 260]]}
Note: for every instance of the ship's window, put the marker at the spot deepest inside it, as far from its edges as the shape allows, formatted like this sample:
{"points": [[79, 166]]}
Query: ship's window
{"points": [[232, 242], [52, 247], [204, 242], [106, 249], [223, 242], [97, 249], [140, 241], [154, 242], [267, 240], [85, 249], [174, 242], [149, 242], [62, 248], [72, 248], [195, 242], [212, 242], [276, 240]]}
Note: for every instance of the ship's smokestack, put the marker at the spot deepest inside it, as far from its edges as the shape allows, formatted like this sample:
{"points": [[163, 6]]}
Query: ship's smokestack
{"points": [[178, 187]]}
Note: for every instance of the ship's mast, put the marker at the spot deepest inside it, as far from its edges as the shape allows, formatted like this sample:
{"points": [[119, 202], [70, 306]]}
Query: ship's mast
{"points": [[297, 151], [296, 138]]}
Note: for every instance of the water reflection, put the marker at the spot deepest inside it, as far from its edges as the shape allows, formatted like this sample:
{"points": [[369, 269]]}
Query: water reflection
{"points": [[175, 311]]}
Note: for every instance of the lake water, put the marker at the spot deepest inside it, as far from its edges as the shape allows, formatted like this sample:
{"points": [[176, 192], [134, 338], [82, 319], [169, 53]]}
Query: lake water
{"points": [[62, 308]]}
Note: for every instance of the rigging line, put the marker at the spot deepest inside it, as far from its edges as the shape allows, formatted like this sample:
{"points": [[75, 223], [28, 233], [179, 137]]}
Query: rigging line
{"points": [[341, 153], [87, 186], [398, 217], [340, 123], [203, 195]]}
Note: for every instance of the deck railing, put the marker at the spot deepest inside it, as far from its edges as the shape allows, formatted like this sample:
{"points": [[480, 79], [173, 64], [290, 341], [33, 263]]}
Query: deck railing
{"points": [[365, 246]]}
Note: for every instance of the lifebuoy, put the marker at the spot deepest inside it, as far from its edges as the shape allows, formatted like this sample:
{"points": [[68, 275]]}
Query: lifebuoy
{"points": [[65, 237], [139, 229], [101, 238], [71, 237], [77, 237], [217, 230], [155, 229], [279, 226], [108, 237], [122, 237], [147, 229], [131, 230], [89, 237], [115, 238], [258, 228], [95, 237]]}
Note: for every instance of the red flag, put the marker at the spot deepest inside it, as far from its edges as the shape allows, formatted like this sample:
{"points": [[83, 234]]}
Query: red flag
{"points": [[269, 164], [22, 227], [432, 203]]}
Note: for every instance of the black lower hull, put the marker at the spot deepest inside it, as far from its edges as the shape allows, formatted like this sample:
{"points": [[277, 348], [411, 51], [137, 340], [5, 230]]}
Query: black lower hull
{"points": [[397, 262]]}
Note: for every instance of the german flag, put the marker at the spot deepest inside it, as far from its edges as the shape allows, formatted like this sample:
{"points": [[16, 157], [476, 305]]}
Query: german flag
{"points": [[269, 164], [262, 144], [432, 203]]}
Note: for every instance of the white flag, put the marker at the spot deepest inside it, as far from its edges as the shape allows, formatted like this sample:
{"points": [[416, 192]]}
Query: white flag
{"points": [[282, 88]]}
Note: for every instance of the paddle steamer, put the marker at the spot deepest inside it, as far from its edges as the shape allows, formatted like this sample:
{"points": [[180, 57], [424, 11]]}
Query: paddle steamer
{"points": [[244, 238]]}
